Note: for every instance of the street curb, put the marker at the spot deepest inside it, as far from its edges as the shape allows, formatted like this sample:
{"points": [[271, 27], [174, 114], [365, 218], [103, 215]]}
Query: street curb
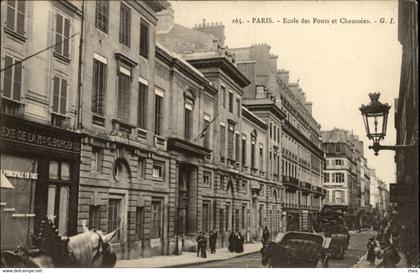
{"points": [[204, 261]]}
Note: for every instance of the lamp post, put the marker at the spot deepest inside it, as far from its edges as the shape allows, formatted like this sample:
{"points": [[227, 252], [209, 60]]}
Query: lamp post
{"points": [[375, 118]]}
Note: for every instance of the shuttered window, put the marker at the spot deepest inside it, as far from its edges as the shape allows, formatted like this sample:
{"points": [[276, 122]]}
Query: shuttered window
{"points": [[222, 140], [230, 141], [59, 95], [98, 86], [156, 211], [62, 33], [158, 112], [12, 79], [125, 25], [206, 124], [102, 11], [142, 106], [144, 39], [15, 19], [188, 120], [237, 146], [123, 96]]}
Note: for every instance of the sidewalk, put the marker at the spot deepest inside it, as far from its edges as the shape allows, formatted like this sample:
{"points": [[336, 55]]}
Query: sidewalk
{"points": [[363, 263], [187, 258]]}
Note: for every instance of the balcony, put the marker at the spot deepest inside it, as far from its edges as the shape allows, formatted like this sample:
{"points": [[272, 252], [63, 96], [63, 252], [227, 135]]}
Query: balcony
{"points": [[188, 148], [60, 121], [12, 108], [291, 183], [306, 188]]}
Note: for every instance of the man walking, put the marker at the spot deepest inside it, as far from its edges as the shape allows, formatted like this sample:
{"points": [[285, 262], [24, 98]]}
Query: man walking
{"points": [[199, 240], [212, 241], [203, 246]]}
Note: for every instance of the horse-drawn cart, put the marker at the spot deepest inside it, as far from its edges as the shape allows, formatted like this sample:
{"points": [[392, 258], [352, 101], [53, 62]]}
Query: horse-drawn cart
{"points": [[297, 249]]}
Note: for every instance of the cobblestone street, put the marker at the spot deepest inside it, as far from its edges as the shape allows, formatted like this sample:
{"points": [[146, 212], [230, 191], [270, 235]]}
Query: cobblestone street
{"points": [[356, 250]]}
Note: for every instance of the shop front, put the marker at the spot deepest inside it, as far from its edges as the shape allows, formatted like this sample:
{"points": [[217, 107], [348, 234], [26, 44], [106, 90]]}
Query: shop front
{"points": [[40, 178]]}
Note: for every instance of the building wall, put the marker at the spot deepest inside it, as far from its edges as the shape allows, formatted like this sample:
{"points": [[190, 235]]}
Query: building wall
{"points": [[36, 136]]}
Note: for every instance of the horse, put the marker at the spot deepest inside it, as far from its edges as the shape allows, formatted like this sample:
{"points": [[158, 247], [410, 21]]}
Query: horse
{"points": [[92, 248]]}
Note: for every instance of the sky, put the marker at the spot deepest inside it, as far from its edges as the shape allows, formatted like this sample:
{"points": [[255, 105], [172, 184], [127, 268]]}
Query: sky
{"points": [[337, 64]]}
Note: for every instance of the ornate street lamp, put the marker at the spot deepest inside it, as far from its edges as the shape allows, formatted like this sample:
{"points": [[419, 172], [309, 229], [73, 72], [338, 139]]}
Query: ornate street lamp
{"points": [[375, 117]]}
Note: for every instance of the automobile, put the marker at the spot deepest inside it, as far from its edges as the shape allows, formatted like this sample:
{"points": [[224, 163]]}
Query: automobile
{"points": [[297, 249]]}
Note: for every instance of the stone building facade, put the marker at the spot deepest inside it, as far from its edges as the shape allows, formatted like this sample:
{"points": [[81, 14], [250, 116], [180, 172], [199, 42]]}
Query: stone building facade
{"points": [[40, 148], [342, 176], [294, 150], [406, 125], [126, 180]]}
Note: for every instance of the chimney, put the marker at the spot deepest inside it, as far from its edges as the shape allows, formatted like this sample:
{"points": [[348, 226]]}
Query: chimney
{"points": [[308, 107], [283, 75], [165, 19], [273, 63], [216, 29]]}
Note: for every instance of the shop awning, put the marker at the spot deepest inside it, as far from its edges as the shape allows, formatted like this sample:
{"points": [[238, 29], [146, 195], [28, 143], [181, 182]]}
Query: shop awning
{"points": [[5, 183]]}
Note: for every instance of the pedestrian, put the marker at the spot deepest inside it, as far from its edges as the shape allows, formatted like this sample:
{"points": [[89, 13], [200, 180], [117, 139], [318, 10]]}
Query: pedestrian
{"points": [[231, 247], [371, 245], [391, 257], [203, 246], [239, 242], [199, 238], [212, 241], [265, 236]]}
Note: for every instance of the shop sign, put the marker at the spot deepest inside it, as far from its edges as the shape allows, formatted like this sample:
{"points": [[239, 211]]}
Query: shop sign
{"points": [[38, 138], [20, 174], [401, 192]]}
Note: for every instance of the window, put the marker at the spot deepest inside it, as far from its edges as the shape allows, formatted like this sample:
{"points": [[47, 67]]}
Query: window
{"points": [[16, 16], [101, 20], [339, 162], [238, 106], [227, 214], [124, 93], [156, 231], [95, 217], [59, 95], [96, 163], [158, 170], [139, 223], [339, 177], [125, 25], [59, 171], [12, 78], [244, 150], [142, 106], [230, 141], [261, 157], [206, 217], [144, 39], [99, 86], [237, 146], [141, 167], [230, 102], [206, 131], [223, 94], [207, 179], [62, 34], [222, 141], [114, 214], [275, 132], [326, 177], [271, 130], [278, 135], [253, 154], [260, 216], [158, 111], [222, 182], [221, 216], [188, 120]]}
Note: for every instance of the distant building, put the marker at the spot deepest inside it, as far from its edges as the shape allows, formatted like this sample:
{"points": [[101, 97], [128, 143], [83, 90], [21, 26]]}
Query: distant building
{"points": [[342, 175]]}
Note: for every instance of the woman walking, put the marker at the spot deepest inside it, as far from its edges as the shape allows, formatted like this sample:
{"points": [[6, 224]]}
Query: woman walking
{"points": [[371, 245]]}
